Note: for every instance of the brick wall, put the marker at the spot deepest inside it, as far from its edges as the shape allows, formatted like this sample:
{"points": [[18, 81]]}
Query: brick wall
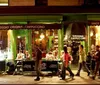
{"points": [[65, 2], [21, 2]]}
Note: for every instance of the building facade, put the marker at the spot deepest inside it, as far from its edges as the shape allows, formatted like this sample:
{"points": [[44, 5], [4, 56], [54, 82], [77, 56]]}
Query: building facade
{"points": [[71, 22]]}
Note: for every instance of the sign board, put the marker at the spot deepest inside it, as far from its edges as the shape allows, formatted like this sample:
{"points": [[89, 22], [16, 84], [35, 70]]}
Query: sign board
{"points": [[2, 65], [30, 26], [93, 22], [78, 37], [45, 66]]}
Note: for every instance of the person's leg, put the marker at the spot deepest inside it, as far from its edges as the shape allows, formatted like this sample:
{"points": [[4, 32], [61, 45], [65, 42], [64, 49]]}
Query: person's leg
{"points": [[70, 71], [99, 72], [80, 67], [93, 66], [63, 75], [97, 68], [87, 70], [37, 70], [88, 65]]}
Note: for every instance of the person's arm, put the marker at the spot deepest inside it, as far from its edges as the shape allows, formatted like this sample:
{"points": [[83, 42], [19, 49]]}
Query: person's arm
{"points": [[70, 58], [84, 55]]}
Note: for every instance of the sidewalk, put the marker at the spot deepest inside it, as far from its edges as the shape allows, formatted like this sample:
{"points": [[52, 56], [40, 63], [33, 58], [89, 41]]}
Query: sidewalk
{"points": [[21, 79]]}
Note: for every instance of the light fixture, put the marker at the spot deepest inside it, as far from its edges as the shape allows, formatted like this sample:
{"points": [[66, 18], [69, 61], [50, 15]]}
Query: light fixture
{"points": [[96, 35], [18, 36], [41, 36], [66, 37], [91, 33]]}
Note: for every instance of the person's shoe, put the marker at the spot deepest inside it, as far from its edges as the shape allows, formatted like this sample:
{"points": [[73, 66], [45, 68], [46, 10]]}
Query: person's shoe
{"points": [[88, 73], [98, 77], [72, 76], [93, 77], [77, 74], [62, 79], [37, 79]]}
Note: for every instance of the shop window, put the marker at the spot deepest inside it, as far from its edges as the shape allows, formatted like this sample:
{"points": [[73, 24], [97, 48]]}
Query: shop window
{"points": [[46, 39], [41, 2], [3, 44]]}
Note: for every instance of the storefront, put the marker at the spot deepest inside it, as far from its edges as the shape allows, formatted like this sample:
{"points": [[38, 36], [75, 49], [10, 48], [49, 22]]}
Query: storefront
{"points": [[33, 34], [24, 37], [48, 32]]}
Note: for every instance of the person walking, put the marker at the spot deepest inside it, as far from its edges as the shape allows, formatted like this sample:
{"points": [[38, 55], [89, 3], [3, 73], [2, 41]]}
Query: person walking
{"points": [[66, 59], [97, 57], [38, 62], [82, 60]]}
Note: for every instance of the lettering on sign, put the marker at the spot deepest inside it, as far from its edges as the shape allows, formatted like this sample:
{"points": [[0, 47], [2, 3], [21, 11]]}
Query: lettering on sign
{"points": [[35, 26], [53, 66], [78, 37], [4, 27], [16, 26], [27, 66]]}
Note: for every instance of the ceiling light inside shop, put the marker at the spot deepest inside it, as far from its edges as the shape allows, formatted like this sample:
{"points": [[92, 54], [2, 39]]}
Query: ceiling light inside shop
{"points": [[3, 4], [18, 36], [41, 36], [96, 35], [36, 32], [66, 37], [91, 33]]}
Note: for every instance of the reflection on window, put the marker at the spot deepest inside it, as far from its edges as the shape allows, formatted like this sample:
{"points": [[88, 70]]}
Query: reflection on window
{"points": [[3, 2]]}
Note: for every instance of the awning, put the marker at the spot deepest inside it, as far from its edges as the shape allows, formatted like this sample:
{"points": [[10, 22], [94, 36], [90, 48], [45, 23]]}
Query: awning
{"points": [[78, 29]]}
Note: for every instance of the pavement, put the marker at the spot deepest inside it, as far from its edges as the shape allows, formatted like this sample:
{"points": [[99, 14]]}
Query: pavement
{"points": [[26, 79]]}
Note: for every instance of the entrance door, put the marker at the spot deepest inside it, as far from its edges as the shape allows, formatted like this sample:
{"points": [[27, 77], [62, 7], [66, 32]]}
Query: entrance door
{"points": [[20, 44]]}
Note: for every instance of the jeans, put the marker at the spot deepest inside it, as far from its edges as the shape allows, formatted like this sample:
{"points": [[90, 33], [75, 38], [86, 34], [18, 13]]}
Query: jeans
{"points": [[80, 67], [64, 71], [97, 68], [37, 66]]}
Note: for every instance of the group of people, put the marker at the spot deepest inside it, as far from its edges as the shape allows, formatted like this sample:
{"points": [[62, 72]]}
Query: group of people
{"points": [[67, 58], [21, 55], [12, 68], [52, 55], [93, 58], [83, 62]]}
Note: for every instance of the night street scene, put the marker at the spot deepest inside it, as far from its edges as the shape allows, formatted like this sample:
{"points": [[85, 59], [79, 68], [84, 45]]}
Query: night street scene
{"points": [[49, 41]]}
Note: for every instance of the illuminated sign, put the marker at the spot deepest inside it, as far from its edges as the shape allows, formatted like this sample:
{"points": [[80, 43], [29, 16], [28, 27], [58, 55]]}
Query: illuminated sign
{"points": [[90, 22], [77, 37], [30, 26]]}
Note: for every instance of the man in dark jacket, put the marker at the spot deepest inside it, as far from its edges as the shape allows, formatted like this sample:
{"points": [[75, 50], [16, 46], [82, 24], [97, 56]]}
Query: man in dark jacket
{"points": [[97, 57], [38, 62]]}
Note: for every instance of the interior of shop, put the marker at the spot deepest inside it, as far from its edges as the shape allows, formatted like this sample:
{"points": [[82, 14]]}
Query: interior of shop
{"points": [[95, 34], [23, 39]]}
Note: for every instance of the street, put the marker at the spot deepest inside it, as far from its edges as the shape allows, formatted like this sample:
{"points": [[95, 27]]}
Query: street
{"points": [[22, 79]]}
